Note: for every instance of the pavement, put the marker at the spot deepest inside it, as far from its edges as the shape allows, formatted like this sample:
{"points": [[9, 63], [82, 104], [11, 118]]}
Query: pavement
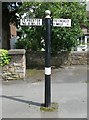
{"points": [[23, 98]]}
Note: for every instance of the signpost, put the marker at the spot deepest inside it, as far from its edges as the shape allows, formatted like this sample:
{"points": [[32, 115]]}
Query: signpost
{"points": [[62, 22], [47, 23], [47, 59], [38, 22], [31, 22]]}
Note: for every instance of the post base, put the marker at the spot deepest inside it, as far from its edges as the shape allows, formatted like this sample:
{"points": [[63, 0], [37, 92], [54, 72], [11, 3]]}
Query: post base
{"points": [[52, 108]]}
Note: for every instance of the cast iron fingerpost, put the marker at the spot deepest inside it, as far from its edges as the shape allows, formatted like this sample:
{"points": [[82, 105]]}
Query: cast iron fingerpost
{"points": [[47, 59]]}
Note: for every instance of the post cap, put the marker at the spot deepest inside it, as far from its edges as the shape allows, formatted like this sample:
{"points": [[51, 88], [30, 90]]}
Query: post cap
{"points": [[48, 13]]}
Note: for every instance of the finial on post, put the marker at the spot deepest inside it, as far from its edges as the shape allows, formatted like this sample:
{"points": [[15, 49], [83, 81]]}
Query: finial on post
{"points": [[47, 13]]}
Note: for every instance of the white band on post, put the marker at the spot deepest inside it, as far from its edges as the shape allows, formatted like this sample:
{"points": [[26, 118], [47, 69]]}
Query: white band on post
{"points": [[47, 70]]}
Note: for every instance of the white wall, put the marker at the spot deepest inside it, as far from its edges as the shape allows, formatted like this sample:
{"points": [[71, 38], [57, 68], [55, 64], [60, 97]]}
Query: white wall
{"points": [[87, 7]]}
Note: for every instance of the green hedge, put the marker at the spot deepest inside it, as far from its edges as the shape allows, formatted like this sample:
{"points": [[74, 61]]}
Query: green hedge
{"points": [[4, 57]]}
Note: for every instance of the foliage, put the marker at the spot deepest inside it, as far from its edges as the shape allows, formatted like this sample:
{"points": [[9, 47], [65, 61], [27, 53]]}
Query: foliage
{"points": [[62, 38], [4, 57], [24, 43]]}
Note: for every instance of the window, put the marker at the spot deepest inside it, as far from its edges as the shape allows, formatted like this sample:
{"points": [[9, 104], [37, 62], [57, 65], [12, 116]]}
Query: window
{"points": [[82, 40]]}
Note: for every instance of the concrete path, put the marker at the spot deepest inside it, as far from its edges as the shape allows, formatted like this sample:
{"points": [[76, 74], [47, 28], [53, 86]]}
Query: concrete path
{"points": [[22, 99]]}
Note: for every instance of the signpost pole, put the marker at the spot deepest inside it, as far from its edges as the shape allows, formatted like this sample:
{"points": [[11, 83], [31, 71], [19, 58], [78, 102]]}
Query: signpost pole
{"points": [[56, 23], [47, 59]]}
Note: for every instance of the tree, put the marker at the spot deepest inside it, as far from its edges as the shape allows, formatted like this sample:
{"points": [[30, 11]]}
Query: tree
{"points": [[62, 38]]}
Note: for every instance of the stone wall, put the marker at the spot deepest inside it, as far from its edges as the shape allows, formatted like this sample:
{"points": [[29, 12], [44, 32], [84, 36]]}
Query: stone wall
{"points": [[78, 58], [37, 59], [17, 67]]}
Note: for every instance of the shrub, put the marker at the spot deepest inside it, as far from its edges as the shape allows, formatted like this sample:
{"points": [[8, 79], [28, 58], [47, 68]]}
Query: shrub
{"points": [[4, 57], [23, 44]]}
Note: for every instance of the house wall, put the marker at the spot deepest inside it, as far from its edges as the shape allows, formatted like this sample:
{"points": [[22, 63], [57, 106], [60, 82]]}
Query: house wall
{"points": [[13, 35], [84, 30], [13, 29]]}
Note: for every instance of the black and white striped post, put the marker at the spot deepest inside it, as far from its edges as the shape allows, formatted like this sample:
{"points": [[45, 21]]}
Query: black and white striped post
{"points": [[47, 59]]}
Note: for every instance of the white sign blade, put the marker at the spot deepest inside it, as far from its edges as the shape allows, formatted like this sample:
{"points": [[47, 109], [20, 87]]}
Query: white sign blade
{"points": [[31, 22], [62, 22]]}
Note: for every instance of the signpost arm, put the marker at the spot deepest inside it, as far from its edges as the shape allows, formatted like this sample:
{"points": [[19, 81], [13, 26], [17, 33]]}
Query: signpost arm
{"points": [[47, 59]]}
